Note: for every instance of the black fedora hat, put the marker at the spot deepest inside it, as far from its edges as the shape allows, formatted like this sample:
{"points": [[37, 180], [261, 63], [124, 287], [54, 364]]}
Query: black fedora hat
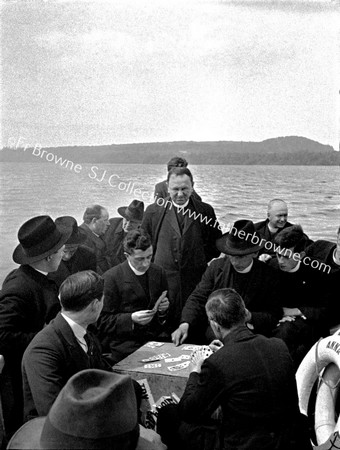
{"points": [[39, 237], [77, 236], [240, 240], [94, 410], [134, 211]]}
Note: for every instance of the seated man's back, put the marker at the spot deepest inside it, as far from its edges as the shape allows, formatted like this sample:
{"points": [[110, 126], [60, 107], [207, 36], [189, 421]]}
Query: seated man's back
{"points": [[64, 347]]}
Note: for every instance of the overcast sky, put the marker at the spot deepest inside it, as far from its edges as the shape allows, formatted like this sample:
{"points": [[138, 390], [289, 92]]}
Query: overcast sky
{"points": [[93, 72]]}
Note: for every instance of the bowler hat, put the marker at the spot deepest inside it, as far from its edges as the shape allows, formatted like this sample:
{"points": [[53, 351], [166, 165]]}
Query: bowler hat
{"points": [[134, 211], [77, 236], [94, 410], [240, 240], [39, 237]]}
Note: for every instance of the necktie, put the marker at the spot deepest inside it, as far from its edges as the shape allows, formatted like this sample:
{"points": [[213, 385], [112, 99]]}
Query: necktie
{"points": [[89, 342]]}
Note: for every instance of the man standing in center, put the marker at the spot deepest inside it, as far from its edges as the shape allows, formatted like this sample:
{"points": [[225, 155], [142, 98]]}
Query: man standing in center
{"points": [[183, 232]]}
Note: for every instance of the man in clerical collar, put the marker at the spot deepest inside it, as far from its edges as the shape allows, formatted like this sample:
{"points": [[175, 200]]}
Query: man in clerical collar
{"points": [[277, 220], [136, 304], [184, 231], [28, 301], [96, 222], [240, 270], [306, 293]]}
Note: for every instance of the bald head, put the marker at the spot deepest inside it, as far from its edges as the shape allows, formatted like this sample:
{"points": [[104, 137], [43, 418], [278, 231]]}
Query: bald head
{"points": [[277, 213]]}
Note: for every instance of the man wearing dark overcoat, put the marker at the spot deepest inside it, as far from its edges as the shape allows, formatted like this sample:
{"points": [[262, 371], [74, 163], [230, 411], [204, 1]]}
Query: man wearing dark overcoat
{"points": [[76, 257], [249, 377], [114, 236], [28, 301], [96, 222], [252, 279], [65, 346], [184, 233], [306, 294], [135, 303]]}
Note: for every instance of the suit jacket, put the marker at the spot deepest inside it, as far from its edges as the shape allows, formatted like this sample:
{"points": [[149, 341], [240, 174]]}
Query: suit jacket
{"points": [[262, 230], [161, 191], [183, 255], [259, 289], [114, 238], [98, 245], [252, 378], [83, 259], [53, 356], [123, 295]]}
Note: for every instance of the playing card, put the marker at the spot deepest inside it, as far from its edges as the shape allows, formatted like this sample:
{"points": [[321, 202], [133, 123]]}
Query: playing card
{"points": [[180, 366], [153, 344], [190, 347], [168, 360], [200, 353], [156, 358], [152, 366]]}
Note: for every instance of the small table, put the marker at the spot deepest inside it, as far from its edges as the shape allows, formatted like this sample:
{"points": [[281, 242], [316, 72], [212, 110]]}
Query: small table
{"points": [[161, 380]]}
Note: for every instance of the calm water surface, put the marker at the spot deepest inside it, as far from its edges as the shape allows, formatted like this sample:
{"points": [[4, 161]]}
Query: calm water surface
{"points": [[29, 189]]}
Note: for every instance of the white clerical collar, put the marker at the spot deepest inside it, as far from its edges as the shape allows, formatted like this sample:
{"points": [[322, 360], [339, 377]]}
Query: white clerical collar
{"points": [[135, 271], [296, 268], [44, 273], [335, 259], [272, 229], [247, 269], [181, 206]]}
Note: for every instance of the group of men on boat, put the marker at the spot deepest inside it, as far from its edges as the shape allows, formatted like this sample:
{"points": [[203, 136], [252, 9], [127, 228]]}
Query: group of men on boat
{"points": [[168, 273]]}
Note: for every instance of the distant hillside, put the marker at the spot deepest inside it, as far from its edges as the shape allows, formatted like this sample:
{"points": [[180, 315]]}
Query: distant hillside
{"points": [[291, 150]]}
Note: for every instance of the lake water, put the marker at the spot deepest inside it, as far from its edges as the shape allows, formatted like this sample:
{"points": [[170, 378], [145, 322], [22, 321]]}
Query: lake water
{"points": [[29, 189]]}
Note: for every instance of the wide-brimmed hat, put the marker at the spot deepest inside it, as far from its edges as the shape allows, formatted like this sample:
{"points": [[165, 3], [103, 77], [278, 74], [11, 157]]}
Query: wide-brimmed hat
{"points": [[134, 211], [240, 240], [77, 236], [39, 237], [94, 410]]}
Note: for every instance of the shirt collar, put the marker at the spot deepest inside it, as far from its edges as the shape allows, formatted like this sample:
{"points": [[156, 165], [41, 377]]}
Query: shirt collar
{"points": [[136, 272], [78, 330], [43, 273]]}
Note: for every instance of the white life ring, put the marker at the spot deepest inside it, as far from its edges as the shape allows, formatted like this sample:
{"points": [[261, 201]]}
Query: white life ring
{"points": [[321, 355]]}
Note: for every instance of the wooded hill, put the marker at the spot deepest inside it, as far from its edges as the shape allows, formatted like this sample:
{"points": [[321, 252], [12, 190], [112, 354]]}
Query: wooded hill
{"points": [[291, 150]]}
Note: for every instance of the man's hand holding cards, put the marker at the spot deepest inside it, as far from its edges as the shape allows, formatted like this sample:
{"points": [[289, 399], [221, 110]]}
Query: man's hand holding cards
{"points": [[162, 304]]}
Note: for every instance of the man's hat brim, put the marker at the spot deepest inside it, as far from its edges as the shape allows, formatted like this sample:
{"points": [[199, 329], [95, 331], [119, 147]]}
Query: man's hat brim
{"points": [[28, 436], [228, 247], [20, 257]]}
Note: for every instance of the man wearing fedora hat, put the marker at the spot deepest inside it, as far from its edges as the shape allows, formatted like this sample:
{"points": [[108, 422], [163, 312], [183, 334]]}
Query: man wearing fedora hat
{"points": [[76, 257], [252, 279], [28, 301], [96, 222], [94, 410], [131, 219]]}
